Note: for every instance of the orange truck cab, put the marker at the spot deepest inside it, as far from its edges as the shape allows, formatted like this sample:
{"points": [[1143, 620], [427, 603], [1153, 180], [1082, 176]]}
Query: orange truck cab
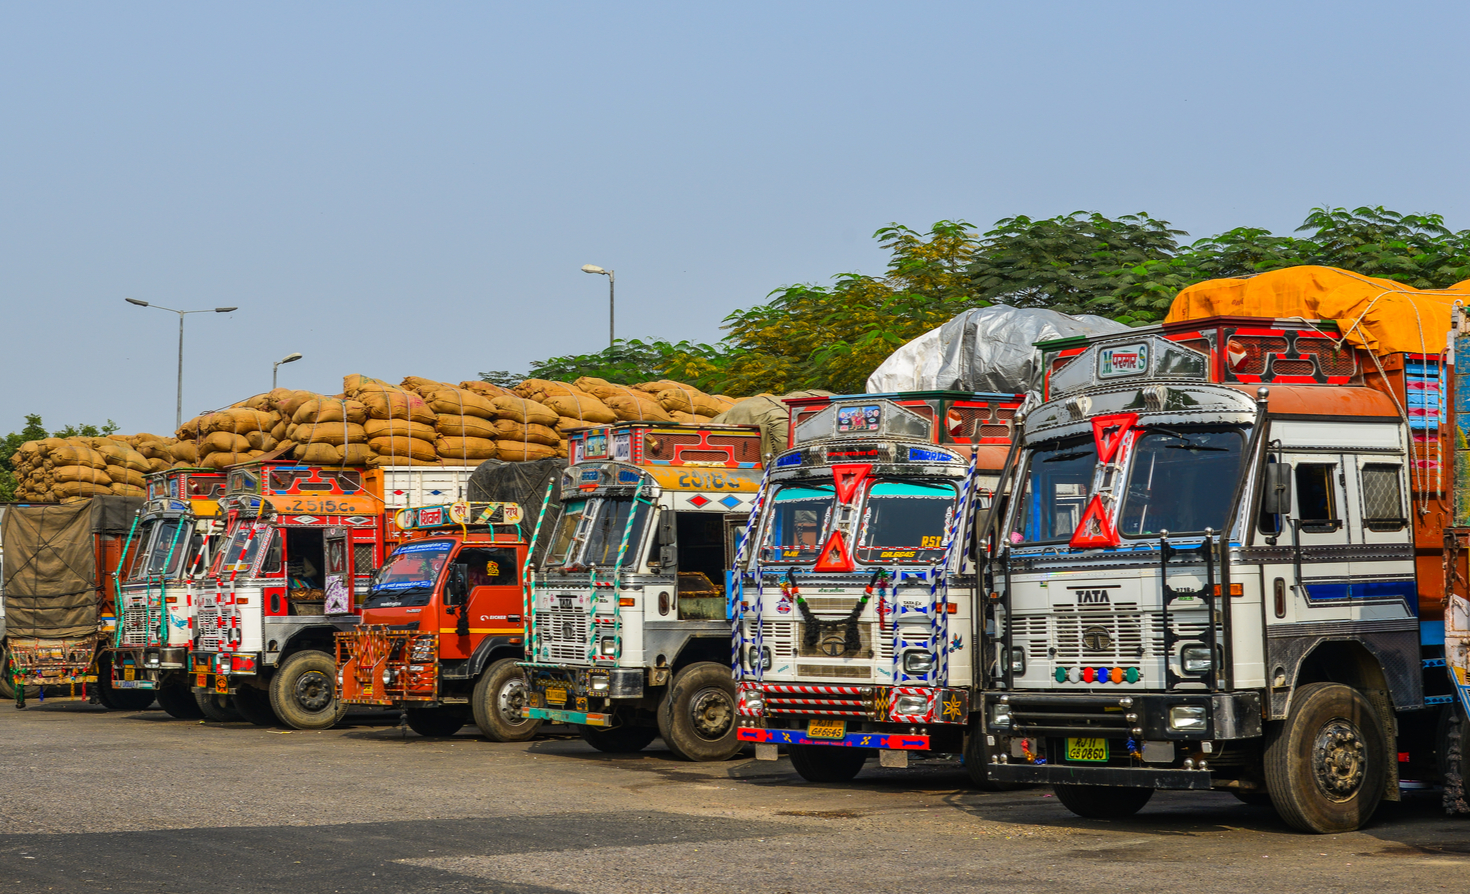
{"points": [[442, 624]]}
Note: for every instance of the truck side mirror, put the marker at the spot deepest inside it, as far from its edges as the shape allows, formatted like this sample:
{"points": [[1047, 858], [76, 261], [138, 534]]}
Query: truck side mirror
{"points": [[668, 539], [457, 587], [668, 556], [1276, 493]]}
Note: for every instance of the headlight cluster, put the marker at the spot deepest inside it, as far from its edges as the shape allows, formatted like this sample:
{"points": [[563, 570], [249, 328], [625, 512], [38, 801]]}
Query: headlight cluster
{"points": [[1195, 659], [911, 704], [918, 662], [765, 657], [599, 683], [608, 646], [1188, 718], [1000, 716]]}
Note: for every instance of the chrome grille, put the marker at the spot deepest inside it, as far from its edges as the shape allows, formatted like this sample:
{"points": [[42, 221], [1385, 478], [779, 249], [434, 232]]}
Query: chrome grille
{"points": [[1134, 635], [139, 624], [778, 636], [562, 635], [835, 671], [206, 627]]}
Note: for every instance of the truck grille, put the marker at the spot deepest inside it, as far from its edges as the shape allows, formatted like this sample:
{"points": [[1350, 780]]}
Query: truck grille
{"points": [[562, 635], [206, 627], [1130, 635], [140, 624]]}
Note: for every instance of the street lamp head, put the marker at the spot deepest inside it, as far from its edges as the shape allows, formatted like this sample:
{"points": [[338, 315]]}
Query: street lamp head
{"points": [[290, 358], [136, 301], [224, 310], [593, 268]]}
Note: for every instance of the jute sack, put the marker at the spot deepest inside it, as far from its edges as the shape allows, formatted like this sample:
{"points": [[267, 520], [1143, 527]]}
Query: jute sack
{"points": [[581, 406], [72, 489], [486, 389], [421, 386], [75, 455], [242, 419], [459, 402], [323, 454], [467, 426], [524, 411], [521, 451], [539, 389], [158, 465], [634, 406], [330, 433], [510, 430], [661, 385], [397, 404], [279, 432], [567, 423], [690, 400], [685, 417], [354, 383], [325, 409], [260, 440], [222, 458], [120, 475], [128, 490], [465, 448], [119, 454], [404, 448], [184, 452], [81, 473], [398, 428], [291, 401], [223, 442], [155, 450]]}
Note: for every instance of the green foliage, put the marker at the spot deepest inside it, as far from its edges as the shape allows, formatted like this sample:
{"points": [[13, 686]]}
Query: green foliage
{"points": [[629, 361], [502, 378], [35, 430]]}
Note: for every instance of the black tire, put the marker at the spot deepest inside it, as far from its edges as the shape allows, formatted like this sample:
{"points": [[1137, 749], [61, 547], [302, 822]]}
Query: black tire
{"points": [[254, 706], [619, 739], [216, 707], [7, 688], [1325, 763], [1452, 749], [435, 723], [1254, 797], [1102, 801], [696, 717], [977, 761], [304, 691], [178, 702], [119, 699], [499, 703], [827, 763]]}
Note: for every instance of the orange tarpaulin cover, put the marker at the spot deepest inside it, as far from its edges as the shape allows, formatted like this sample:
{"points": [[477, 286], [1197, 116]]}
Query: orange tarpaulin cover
{"points": [[1384, 316]]}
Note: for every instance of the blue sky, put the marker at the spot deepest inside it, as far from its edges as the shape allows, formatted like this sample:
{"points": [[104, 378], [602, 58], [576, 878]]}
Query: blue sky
{"points": [[398, 189]]}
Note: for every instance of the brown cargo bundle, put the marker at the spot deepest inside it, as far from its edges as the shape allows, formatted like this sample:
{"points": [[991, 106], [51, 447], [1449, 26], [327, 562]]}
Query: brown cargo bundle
{"points": [[239, 420], [467, 451], [399, 428], [395, 448], [584, 407], [511, 430], [329, 409], [335, 433], [223, 442], [523, 451], [524, 411], [459, 402], [396, 404], [486, 389], [322, 453], [466, 426]]}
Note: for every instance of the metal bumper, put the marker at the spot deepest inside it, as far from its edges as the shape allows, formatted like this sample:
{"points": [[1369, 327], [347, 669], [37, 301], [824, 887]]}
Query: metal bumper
{"points": [[1071, 774], [584, 695], [583, 718], [888, 741]]}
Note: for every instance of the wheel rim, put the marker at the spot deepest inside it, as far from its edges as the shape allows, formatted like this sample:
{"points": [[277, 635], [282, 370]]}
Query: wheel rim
{"points": [[313, 691], [1339, 759], [712, 712], [511, 701]]}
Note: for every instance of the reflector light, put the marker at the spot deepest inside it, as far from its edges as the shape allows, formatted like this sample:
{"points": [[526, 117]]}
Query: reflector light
{"points": [[1109, 431], [834, 557], [1088, 674], [1095, 529], [847, 478]]}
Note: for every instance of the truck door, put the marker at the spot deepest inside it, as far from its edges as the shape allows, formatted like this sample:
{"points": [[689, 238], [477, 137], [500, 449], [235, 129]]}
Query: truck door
{"points": [[338, 572], [494, 603], [1308, 576]]}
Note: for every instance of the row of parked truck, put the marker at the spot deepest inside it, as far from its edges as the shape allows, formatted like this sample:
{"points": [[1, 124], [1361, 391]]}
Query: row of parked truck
{"points": [[1226, 554]]}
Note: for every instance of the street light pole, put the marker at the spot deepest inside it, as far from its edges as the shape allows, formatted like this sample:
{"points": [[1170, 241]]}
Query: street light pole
{"points": [[289, 358], [593, 268], [179, 395]]}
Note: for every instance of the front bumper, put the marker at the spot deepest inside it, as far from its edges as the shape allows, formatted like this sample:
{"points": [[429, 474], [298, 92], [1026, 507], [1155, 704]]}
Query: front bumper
{"points": [[1136, 777], [380, 666], [580, 695], [222, 673], [884, 717]]}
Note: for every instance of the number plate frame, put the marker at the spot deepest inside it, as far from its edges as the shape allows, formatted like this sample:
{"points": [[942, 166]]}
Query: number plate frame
{"points": [[826, 729], [1087, 750], [556, 695]]}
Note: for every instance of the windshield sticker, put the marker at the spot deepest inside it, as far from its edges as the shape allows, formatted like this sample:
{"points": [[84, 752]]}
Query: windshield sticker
{"points": [[859, 419], [1122, 360]]}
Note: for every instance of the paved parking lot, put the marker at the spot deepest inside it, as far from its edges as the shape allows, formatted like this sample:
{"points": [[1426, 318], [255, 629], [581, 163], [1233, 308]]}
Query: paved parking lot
{"points": [[97, 801]]}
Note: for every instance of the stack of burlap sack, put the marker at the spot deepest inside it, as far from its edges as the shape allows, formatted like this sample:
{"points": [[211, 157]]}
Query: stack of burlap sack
{"points": [[57, 470]]}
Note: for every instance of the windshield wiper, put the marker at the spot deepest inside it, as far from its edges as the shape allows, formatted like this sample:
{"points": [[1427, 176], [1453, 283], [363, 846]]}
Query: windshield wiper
{"points": [[1063, 457], [1187, 445]]}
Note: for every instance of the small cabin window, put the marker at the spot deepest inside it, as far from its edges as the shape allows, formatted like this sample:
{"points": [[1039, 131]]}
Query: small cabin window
{"points": [[490, 567], [1383, 497], [1316, 498]]}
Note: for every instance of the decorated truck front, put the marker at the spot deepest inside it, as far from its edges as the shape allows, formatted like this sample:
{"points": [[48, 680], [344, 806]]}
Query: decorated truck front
{"points": [[628, 637], [442, 624], [853, 622], [167, 554], [299, 542], [1206, 578]]}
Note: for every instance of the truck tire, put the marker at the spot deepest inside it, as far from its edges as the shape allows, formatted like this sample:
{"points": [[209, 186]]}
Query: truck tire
{"points": [[619, 739], [178, 702], [696, 717], [827, 763], [499, 703], [1452, 747], [216, 707], [1103, 801], [977, 761], [254, 706], [304, 691], [434, 723], [1325, 762]]}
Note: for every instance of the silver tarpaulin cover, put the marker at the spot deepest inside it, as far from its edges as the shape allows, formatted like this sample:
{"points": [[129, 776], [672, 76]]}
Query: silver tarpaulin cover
{"points": [[986, 349]]}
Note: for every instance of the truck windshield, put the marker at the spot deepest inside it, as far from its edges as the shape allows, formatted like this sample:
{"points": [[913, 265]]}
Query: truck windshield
{"points": [[798, 517], [1181, 481], [137, 567], [1058, 478], [409, 575], [566, 531], [606, 535], [903, 523], [240, 555], [169, 546]]}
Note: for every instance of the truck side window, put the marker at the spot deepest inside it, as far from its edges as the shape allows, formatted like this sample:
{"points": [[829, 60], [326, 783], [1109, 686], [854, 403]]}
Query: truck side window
{"points": [[1383, 497], [490, 567], [1316, 498]]}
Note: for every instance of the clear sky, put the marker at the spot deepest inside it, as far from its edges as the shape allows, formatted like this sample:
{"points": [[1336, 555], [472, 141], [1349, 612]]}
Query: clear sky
{"points": [[397, 189]]}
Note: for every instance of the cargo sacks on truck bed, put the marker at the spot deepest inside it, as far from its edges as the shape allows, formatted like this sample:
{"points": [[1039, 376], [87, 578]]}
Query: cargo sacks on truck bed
{"points": [[51, 572]]}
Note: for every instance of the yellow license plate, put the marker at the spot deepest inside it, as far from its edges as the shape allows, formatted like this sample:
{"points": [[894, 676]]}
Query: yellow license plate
{"points": [[222, 684], [1095, 750], [129, 673], [555, 695], [826, 729], [201, 680]]}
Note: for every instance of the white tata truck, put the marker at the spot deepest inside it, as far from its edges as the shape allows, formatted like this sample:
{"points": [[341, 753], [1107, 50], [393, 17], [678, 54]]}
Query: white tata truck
{"points": [[627, 632], [854, 618], [1233, 559]]}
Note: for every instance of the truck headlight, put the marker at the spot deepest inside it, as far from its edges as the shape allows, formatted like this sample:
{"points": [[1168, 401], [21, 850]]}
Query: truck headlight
{"points": [[599, 683], [1000, 716], [911, 704], [1018, 661], [609, 646], [1195, 659], [1187, 718], [918, 662], [754, 702], [150, 659], [765, 657]]}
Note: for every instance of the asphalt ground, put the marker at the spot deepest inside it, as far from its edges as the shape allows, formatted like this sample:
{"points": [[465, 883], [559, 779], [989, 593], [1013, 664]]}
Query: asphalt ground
{"points": [[94, 801]]}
